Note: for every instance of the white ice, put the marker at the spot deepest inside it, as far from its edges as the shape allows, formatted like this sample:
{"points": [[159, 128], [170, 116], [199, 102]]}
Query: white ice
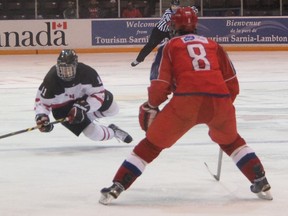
{"points": [[58, 174]]}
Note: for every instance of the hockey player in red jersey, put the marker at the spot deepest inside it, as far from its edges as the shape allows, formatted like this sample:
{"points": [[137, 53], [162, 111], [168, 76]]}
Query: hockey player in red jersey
{"points": [[203, 81], [74, 90]]}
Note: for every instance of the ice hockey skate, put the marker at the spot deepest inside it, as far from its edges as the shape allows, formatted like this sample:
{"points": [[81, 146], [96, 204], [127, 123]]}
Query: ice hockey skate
{"points": [[120, 134], [134, 63], [110, 193], [261, 188]]}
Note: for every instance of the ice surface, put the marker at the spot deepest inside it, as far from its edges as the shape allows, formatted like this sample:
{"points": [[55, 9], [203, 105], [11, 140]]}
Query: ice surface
{"points": [[58, 174]]}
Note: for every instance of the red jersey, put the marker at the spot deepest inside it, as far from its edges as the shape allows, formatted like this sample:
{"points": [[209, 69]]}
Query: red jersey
{"points": [[204, 69]]}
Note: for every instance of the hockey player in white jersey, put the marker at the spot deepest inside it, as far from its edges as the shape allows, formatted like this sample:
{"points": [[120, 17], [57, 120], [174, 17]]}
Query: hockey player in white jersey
{"points": [[74, 91]]}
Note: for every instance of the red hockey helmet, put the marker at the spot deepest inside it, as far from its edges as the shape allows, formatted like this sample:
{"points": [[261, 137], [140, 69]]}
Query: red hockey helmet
{"points": [[184, 20]]}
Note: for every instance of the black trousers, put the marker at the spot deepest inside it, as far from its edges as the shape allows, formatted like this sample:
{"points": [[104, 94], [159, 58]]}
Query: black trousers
{"points": [[74, 128], [155, 38], [77, 129]]}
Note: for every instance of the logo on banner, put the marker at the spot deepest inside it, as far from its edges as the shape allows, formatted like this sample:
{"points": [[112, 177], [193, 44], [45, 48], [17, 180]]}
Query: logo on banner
{"points": [[59, 25], [52, 34]]}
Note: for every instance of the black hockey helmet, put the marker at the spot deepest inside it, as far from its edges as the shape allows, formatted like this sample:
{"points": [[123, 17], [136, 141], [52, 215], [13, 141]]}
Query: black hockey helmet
{"points": [[175, 2], [67, 64]]}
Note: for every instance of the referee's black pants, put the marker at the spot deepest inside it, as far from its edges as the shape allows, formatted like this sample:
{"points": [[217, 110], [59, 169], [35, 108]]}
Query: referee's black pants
{"points": [[155, 38]]}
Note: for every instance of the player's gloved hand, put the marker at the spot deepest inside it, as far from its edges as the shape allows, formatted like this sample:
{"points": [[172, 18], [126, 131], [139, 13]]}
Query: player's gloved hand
{"points": [[78, 112], [43, 121], [195, 9], [147, 115]]}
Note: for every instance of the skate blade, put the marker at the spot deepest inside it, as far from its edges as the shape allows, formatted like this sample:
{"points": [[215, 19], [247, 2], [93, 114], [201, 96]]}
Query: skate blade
{"points": [[266, 195], [106, 199]]}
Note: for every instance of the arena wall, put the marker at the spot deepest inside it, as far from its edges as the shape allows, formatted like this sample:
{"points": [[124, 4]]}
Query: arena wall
{"points": [[129, 35]]}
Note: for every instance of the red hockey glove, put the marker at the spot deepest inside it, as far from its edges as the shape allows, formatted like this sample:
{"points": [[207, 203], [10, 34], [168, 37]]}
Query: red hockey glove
{"points": [[147, 115], [43, 121], [78, 112]]}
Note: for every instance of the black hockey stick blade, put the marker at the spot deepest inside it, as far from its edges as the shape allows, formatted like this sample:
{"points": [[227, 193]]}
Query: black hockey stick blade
{"points": [[32, 128]]}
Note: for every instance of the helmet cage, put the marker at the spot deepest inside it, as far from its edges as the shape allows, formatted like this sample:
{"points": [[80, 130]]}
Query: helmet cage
{"points": [[66, 72], [67, 64]]}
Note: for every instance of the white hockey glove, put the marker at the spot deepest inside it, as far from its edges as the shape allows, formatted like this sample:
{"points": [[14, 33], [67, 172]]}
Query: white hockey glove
{"points": [[43, 121], [78, 112], [147, 115], [195, 9]]}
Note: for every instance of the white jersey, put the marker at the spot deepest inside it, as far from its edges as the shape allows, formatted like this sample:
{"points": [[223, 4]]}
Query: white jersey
{"points": [[55, 93]]}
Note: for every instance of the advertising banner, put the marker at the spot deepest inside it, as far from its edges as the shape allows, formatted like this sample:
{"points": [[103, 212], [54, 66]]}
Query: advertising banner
{"points": [[257, 31], [268, 30], [113, 33], [44, 34], [122, 32]]}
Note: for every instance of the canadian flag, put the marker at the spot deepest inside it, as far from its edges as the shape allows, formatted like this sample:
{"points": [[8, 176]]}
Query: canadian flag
{"points": [[59, 25]]}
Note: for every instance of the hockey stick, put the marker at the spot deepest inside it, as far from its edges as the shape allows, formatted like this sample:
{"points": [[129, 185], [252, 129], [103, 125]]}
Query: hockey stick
{"points": [[219, 166], [32, 128]]}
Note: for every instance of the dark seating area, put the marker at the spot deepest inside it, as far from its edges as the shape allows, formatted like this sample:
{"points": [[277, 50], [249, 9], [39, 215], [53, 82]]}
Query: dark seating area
{"points": [[16, 9], [43, 9], [221, 8], [30, 9], [285, 7], [250, 8], [262, 7], [53, 9]]}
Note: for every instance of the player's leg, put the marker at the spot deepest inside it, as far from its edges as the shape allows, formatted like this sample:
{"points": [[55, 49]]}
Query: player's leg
{"points": [[108, 108], [98, 132], [155, 38], [164, 131], [223, 130], [171, 123]]}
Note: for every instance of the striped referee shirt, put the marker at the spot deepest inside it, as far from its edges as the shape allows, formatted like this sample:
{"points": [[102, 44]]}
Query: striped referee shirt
{"points": [[163, 24]]}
